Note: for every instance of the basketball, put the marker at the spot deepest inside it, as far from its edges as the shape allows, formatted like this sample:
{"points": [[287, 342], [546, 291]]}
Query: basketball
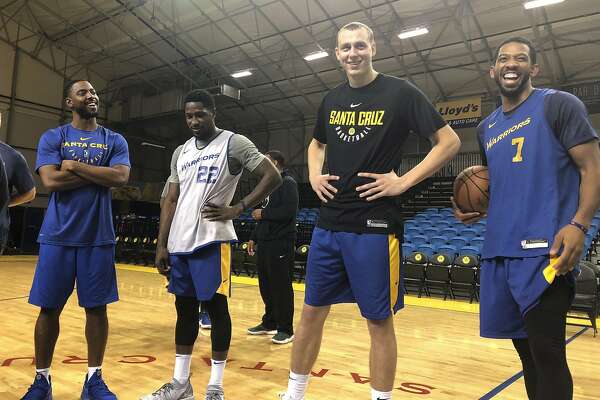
{"points": [[471, 189]]}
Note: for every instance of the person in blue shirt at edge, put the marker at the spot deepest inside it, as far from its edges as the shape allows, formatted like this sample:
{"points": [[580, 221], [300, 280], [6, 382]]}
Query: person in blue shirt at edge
{"points": [[78, 163], [16, 185], [544, 167]]}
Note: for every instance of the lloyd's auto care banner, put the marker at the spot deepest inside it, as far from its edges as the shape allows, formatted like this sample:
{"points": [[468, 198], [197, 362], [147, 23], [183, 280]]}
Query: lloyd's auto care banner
{"points": [[462, 113]]}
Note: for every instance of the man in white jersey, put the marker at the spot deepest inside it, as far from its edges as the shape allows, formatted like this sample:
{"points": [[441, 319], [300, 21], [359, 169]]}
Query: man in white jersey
{"points": [[195, 233]]}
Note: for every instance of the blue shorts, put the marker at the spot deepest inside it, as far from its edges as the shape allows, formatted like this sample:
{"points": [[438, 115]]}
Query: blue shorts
{"points": [[203, 273], [510, 287], [362, 268], [59, 267]]}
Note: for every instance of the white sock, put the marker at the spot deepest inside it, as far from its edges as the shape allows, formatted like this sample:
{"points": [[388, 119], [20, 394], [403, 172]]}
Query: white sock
{"points": [[297, 386], [92, 371], [377, 395], [182, 367], [217, 368], [45, 372]]}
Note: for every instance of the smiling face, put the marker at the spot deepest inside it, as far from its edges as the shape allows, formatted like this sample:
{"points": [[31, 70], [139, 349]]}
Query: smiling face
{"points": [[200, 120], [355, 51], [513, 69], [83, 100]]}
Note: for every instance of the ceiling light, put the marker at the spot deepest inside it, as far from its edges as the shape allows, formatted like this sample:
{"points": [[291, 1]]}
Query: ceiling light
{"points": [[316, 56], [412, 33], [540, 3], [241, 74]]}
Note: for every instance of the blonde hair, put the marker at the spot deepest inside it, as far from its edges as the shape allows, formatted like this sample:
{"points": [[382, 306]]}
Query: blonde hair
{"points": [[353, 26]]}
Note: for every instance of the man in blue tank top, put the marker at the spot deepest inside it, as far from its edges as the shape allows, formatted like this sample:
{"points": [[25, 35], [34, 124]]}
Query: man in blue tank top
{"points": [[78, 163], [544, 165]]}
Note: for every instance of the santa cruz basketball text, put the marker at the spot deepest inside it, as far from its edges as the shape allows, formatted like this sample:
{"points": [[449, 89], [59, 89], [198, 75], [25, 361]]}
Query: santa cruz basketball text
{"points": [[349, 118]]}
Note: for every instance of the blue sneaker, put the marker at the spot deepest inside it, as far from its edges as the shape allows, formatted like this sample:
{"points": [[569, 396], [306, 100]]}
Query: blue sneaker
{"points": [[205, 320], [41, 389], [96, 389]]}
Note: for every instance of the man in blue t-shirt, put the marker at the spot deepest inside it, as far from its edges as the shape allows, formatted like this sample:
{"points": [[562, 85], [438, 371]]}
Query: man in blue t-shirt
{"points": [[544, 167], [16, 185], [78, 163]]}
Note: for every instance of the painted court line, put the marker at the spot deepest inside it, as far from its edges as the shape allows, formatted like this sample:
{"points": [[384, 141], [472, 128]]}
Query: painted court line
{"points": [[518, 375]]}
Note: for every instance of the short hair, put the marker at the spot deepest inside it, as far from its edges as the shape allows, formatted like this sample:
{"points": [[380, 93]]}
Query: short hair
{"points": [[277, 156], [69, 86], [352, 26], [200, 96], [518, 39]]}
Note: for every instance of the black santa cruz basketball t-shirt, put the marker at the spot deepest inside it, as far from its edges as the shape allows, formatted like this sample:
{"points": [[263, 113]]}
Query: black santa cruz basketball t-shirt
{"points": [[364, 129]]}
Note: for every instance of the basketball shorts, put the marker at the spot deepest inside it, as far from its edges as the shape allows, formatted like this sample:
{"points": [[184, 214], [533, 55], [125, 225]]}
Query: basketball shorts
{"points": [[203, 273], [345, 267], [60, 267], [510, 287]]}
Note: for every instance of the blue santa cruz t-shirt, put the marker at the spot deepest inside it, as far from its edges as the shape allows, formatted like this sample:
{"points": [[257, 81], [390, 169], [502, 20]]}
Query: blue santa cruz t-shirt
{"points": [[81, 216]]}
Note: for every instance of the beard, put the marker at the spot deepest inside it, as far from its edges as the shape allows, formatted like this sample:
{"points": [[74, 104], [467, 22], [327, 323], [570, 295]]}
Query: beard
{"points": [[85, 113], [515, 91], [203, 133]]}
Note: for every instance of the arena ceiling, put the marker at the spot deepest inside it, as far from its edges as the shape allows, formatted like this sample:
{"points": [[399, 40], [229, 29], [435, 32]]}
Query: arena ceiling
{"points": [[156, 45]]}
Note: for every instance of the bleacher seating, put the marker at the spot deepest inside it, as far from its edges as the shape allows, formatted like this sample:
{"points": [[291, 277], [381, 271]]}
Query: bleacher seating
{"points": [[430, 231]]}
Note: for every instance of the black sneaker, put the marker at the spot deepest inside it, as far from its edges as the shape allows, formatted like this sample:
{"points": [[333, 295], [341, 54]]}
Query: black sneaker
{"points": [[282, 338], [261, 330]]}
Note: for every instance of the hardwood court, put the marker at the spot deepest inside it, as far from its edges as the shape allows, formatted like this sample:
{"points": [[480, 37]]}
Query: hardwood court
{"points": [[440, 355]]}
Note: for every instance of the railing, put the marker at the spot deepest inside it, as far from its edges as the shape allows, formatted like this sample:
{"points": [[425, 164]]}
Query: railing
{"points": [[453, 168]]}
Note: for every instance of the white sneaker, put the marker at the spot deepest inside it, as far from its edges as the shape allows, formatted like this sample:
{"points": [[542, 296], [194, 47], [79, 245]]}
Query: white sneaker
{"points": [[284, 396], [214, 392], [172, 391]]}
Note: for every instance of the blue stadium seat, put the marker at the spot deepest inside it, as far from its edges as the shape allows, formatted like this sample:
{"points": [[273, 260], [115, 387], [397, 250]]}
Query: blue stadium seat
{"points": [[413, 231], [448, 249], [409, 223], [458, 241], [450, 232], [443, 224], [438, 240], [426, 249], [407, 249], [469, 250], [477, 242], [469, 233], [434, 219], [419, 239], [430, 232]]}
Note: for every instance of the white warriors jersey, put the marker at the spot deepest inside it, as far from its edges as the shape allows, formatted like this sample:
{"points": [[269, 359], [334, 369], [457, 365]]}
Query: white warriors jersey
{"points": [[204, 177]]}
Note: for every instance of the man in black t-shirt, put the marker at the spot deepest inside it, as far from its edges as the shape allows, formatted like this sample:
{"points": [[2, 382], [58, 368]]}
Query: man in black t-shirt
{"points": [[274, 236], [355, 249]]}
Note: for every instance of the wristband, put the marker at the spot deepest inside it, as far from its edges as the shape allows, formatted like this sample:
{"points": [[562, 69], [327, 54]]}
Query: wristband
{"points": [[580, 226]]}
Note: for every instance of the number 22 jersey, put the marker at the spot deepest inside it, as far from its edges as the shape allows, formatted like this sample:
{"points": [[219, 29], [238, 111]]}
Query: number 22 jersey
{"points": [[204, 177]]}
